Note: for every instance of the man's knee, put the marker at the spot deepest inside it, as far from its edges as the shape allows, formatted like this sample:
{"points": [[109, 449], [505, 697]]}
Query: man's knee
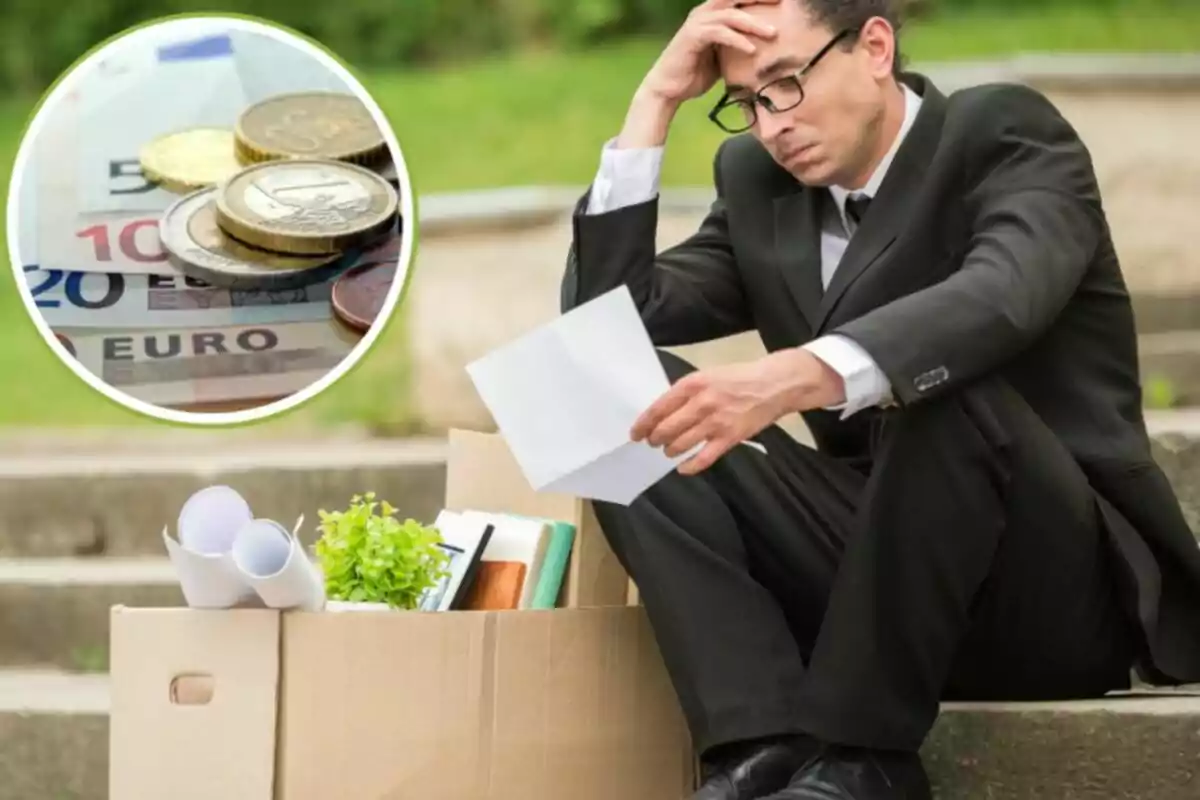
{"points": [[975, 416]]}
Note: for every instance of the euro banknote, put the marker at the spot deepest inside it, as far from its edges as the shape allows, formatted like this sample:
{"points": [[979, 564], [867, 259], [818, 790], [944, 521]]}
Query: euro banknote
{"points": [[240, 365], [119, 300], [75, 299]]}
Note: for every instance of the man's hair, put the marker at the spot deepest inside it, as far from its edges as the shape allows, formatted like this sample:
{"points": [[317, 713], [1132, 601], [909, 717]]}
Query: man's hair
{"points": [[839, 15]]}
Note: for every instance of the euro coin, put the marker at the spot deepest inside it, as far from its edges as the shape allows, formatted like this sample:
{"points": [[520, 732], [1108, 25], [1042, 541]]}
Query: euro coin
{"points": [[389, 173], [185, 161], [65, 342], [199, 248], [359, 295], [307, 207], [325, 125]]}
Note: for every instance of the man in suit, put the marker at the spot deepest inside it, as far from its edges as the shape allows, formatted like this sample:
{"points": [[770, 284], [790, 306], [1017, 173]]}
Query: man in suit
{"points": [[936, 286]]}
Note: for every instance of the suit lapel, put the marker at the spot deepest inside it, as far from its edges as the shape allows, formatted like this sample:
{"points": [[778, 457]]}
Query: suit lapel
{"points": [[798, 248], [889, 211]]}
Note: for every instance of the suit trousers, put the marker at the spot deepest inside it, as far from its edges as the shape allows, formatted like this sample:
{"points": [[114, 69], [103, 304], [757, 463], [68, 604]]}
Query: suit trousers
{"points": [[790, 592]]}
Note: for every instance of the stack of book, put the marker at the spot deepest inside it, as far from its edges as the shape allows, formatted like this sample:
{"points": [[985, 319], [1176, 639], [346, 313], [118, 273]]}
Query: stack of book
{"points": [[500, 561]]}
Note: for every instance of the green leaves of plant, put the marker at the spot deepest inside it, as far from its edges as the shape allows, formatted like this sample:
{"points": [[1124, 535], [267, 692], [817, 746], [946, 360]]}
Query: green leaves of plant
{"points": [[369, 556]]}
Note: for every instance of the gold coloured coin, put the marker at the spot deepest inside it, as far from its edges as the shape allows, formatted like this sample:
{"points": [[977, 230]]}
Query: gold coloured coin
{"points": [[307, 206], [188, 160], [327, 125]]}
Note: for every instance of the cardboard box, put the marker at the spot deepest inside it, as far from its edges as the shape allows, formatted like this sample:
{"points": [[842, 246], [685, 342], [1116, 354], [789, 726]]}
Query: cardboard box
{"points": [[499, 705]]}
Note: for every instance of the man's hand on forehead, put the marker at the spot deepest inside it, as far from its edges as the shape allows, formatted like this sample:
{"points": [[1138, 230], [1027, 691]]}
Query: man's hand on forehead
{"points": [[687, 67]]}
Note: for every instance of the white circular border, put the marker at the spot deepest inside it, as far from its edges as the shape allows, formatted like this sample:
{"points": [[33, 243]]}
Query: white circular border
{"points": [[404, 262]]}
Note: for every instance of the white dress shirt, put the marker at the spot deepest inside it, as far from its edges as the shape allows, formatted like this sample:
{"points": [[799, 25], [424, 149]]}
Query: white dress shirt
{"points": [[630, 176]]}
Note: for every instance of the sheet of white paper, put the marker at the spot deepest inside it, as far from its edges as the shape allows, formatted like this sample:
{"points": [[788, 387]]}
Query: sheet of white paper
{"points": [[209, 580], [618, 477], [274, 564], [211, 518], [565, 396]]}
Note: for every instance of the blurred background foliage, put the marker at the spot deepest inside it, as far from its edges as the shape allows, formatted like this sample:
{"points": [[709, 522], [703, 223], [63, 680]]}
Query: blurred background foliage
{"points": [[377, 35]]}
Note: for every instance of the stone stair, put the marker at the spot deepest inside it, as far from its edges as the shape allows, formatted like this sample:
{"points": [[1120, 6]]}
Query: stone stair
{"points": [[81, 531], [53, 735], [1130, 746], [54, 612]]}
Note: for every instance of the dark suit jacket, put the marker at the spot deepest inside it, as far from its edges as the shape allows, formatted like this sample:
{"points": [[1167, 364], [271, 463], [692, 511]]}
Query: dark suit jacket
{"points": [[985, 252]]}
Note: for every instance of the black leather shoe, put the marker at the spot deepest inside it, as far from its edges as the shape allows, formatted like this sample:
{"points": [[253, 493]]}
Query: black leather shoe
{"points": [[756, 771], [844, 773]]}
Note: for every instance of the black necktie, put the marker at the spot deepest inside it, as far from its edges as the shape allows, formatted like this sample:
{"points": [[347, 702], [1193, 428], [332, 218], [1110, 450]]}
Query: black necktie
{"points": [[856, 207]]}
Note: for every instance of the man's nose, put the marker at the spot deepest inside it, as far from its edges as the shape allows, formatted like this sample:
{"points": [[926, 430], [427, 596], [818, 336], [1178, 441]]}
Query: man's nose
{"points": [[771, 126]]}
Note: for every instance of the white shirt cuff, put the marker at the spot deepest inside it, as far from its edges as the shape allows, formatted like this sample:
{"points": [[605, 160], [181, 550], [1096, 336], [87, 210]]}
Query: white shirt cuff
{"points": [[866, 385], [627, 177]]}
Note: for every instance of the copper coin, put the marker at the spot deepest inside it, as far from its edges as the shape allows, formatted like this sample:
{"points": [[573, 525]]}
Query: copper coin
{"points": [[67, 343], [359, 295]]}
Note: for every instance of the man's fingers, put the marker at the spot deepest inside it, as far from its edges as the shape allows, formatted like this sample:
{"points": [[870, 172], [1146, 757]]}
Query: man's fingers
{"points": [[721, 35], [707, 456], [683, 429], [692, 433], [743, 22], [676, 424], [713, 4], [736, 21], [670, 401]]}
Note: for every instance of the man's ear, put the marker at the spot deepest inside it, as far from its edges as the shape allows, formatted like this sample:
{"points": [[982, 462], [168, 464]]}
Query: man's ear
{"points": [[878, 39]]}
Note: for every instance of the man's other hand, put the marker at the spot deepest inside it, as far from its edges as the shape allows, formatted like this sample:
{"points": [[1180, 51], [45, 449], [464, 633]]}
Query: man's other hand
{"points": [[724, 406]]}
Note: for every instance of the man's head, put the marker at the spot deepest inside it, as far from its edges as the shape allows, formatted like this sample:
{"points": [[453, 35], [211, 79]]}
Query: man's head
{"points": [[841, 57]]}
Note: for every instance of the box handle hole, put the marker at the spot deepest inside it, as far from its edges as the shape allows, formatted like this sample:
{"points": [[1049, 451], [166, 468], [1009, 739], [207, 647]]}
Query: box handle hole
{"points": [[193, 689]]}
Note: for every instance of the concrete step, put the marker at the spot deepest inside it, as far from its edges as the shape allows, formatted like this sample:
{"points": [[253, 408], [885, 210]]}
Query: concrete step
{"points": [[55, 612], [100, 502], [53, 736], [54, 744], [1177, 450], [116, 504], [1125, 747], [1167, 311], [1170, 362]]}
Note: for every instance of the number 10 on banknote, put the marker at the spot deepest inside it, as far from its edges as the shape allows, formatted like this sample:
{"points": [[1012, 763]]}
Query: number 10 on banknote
{"points": [[136, 242], [123, 240], [112, 240]]}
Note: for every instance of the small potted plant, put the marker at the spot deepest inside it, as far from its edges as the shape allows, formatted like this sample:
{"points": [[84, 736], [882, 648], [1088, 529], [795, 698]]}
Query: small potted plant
{"points": [[372, 560]]}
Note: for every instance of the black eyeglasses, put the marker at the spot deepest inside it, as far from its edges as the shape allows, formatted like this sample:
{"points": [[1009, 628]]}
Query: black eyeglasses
{"points": [[736, 115]]}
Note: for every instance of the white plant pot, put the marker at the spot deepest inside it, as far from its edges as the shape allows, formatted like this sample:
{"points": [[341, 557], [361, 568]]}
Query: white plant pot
{"points": [[346, 605]]}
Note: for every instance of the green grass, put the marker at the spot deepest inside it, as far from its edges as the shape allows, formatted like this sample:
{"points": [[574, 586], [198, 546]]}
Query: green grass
{"points": [[536, 119], [542, 118]]}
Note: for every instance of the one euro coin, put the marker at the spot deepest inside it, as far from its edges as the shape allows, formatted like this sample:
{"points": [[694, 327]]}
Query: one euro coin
{"points": [[307, 207], [199, 248]]}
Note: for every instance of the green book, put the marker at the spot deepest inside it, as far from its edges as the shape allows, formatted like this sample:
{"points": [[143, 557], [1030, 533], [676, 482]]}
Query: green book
{"points": [[554, 568]]}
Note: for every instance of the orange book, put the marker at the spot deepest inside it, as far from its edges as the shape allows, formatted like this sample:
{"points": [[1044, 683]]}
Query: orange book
{"points": [[497, 586]]}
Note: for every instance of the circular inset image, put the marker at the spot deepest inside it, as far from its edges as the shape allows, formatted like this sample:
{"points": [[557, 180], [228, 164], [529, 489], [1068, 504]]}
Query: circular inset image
{"points": [[185, 206]]}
